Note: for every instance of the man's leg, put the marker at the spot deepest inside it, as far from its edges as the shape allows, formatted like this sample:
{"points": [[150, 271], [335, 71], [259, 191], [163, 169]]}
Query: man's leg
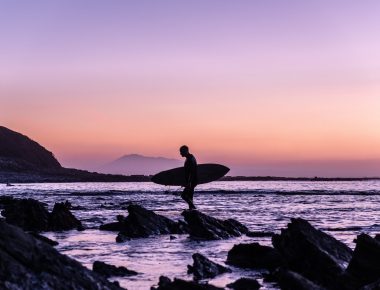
{"points": [[187, 195]]}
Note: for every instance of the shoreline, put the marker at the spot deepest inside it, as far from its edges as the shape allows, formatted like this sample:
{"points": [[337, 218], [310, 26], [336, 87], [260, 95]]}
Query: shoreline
{"points": [[36, 177]]}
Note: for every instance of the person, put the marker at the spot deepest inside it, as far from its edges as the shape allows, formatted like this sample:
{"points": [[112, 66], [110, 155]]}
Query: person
{"points": [[191, 176]]}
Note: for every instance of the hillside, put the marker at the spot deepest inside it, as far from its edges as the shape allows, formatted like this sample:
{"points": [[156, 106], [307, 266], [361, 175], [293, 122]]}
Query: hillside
{"points": [[18, 151], [139, 164], [24, 160]]}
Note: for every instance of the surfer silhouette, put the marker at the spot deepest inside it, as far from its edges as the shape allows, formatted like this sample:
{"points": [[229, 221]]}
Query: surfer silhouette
{"points": [[191, 176]]}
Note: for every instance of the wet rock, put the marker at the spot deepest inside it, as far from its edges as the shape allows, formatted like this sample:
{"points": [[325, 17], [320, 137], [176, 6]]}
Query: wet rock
{"points": [[141, 223], [365, 262], [29, 214], [372, 286], [27, 263], [110, 270], [254, 255], [259, 234], [32, 215], [178, 284], [289, 280], [114, 226], [312, 253], [244, 284], [203, 268], [202, 226], [44, 239], [61, 219]]}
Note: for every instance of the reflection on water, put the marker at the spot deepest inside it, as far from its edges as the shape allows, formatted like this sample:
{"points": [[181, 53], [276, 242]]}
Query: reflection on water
{"points": [[343, 209]]}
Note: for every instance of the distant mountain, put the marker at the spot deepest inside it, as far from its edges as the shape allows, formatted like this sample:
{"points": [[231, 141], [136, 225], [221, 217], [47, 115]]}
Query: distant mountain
{"points": [[24, 160], [135, 164]]}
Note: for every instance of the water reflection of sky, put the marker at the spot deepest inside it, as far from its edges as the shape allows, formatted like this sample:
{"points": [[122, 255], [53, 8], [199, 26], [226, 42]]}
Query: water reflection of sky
{"points": [[344, 210]]}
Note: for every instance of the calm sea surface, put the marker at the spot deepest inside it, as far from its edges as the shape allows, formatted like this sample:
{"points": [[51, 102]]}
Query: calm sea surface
{"points": [[343, 209]]}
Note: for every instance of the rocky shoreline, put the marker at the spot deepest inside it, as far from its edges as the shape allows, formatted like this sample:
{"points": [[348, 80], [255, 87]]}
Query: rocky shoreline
{"points": [[302, 257]]}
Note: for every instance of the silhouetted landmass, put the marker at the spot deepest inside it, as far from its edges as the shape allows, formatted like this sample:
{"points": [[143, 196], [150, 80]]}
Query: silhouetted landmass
{"points": [[23, 160], [139, 164]]}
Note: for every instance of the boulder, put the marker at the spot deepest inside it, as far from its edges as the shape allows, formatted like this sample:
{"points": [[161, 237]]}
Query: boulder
{"points": [[107, 270], [44, 239], [244, 284], [202, 226], [314, 254], [254, 255], [142, 223], [28, 214], [178, 284], [289, 280], [32, 215], [27, 263], [365, 263], [61, 218], [203, 268]]}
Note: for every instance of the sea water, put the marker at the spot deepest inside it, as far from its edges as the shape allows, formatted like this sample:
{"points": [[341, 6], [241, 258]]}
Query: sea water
{"points": [[342, 209]]}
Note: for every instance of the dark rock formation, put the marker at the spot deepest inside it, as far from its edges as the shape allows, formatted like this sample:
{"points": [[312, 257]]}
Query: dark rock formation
{"points": [[142, 223], [61, 219], [312, 253], [244, 284], [205, 227], [44, 239], [259, 234], [178, 284], [365, 263], [28, 214], [203, 268], [107, 270], [289, 280], [24, 160], [17, 147], [372, 286], [254, 256], [27, 263], [31, 215]]}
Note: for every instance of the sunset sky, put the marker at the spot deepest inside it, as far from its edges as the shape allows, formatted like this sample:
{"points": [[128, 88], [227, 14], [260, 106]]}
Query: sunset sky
{"points": [[257, 85]]}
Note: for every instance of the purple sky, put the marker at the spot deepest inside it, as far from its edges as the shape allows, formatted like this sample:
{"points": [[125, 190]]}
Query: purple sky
{"points": [[253, 84]]}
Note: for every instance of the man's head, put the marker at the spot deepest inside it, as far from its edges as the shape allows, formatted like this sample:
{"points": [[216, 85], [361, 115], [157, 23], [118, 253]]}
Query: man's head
{"points": [[184, 150]]}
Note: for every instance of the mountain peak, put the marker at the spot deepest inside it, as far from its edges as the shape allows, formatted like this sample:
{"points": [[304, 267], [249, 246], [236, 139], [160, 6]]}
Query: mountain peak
{"points": [[139, 164]]}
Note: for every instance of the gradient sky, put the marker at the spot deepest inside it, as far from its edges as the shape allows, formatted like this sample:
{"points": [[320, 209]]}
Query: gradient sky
{"points": [[241, 82]]}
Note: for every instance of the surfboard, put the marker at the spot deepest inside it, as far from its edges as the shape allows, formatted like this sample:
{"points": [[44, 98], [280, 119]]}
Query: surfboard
{"points": [[207, 172]]}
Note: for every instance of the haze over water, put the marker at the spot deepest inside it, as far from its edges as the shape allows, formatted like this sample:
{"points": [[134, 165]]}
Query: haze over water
{"points": [[342, 209]]}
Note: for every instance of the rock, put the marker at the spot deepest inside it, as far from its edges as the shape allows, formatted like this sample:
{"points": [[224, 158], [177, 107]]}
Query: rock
{"points": [[203, 268], [110, 270], [28, 214], [205, 227], [178, 284], [289, 280], [244, 284], [365, 262], [44, 239], [142, 223], [32, 215], [259, 234], [312, 253], [254, 255], [61, 219], [115, 226], [372, 286], [27, 263]]}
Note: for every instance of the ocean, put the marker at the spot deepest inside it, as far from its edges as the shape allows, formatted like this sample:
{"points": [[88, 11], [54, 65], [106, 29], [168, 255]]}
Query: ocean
{"points": [[341, 208]]}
